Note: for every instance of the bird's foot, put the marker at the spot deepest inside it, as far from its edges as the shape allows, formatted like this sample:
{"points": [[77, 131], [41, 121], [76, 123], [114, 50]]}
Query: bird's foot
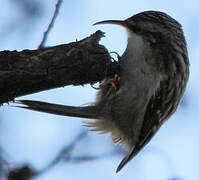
{"points": [[114, 82], [118, 56]]}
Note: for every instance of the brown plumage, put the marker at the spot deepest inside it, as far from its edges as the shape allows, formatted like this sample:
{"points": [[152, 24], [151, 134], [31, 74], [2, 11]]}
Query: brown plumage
{"points": [[154, 70]]}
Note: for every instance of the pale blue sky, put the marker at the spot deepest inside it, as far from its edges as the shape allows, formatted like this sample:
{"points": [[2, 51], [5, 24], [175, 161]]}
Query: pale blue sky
{"points": [[36, 137]]}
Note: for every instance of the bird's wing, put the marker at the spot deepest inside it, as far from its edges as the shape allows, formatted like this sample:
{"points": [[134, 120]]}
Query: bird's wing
{"points": [[159, 109]]}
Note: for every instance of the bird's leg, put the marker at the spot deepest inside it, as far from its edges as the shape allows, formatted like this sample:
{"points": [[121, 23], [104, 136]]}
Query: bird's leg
{"points": [[114, 82]]}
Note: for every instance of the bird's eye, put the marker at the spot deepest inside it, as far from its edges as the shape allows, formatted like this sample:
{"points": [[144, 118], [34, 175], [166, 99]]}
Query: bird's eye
{"points": [[137, 29]]}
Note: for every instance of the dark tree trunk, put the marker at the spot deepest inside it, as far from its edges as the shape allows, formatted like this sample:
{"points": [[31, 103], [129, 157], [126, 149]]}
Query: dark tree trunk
{"points": [[31, 71]]}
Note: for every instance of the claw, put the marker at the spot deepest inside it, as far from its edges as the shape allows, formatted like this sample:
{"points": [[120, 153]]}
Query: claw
{"points": [[118, 56], [114, 82]]}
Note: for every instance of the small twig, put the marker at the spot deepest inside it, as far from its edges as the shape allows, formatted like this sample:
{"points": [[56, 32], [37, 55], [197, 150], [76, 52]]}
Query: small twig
{"points": [[56, 12], [65, 153], [26, 172], [94, 157]]}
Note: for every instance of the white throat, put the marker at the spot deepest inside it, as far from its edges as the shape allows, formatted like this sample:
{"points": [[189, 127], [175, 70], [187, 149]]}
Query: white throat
{"points": [[135, 43]]}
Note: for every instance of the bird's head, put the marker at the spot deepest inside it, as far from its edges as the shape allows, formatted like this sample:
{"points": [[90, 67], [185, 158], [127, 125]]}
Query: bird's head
{"points": [[155, 27], [159, 33]]}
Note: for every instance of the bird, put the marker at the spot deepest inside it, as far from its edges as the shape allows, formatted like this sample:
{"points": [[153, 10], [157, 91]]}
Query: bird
{"points": [[133, 105]]}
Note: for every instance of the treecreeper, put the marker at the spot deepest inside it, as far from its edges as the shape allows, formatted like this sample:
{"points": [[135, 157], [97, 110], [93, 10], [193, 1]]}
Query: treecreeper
{"points": [[154, 71]]}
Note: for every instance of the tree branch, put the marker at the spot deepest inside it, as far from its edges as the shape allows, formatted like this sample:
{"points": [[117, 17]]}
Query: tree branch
{"points": [[56, 12], [76, 63]]}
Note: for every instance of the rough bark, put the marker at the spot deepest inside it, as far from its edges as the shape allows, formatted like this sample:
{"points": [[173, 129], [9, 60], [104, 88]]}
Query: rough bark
{"points": [[76, 63]]}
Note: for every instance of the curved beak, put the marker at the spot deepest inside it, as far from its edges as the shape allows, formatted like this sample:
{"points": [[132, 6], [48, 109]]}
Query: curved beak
{"points": [[116, 22]]}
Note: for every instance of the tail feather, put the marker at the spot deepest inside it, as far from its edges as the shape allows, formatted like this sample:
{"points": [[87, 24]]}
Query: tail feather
{"points": [[82, 112]]}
